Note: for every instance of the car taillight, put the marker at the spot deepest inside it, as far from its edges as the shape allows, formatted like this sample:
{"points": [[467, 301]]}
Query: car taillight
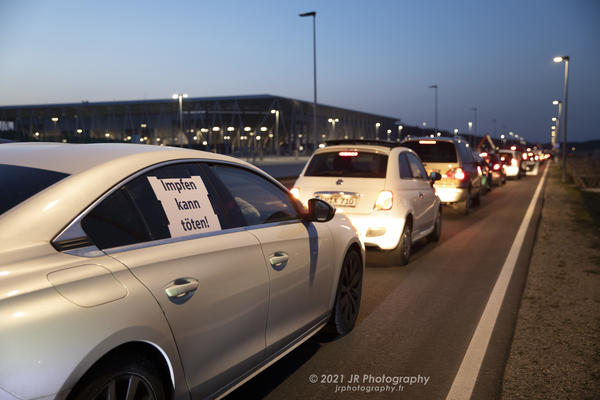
{"points": [[496, 167], [295, 191], [513, 162], [384, 201], [479, 170], [524, 156], [455, 173]]}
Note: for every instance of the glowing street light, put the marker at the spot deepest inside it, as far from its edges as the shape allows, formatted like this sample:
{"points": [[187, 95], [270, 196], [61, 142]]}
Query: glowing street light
{"points": [[564, 59], [377, 125], [180, 97], [333, 121], [276, 112]]}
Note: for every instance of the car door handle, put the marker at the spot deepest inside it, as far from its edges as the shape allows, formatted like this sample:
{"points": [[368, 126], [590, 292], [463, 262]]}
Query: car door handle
{"points": [[278, 260], [181, 290]]}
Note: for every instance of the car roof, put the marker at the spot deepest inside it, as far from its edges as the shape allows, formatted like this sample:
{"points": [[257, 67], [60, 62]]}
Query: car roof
{"points": [[72, 158]]}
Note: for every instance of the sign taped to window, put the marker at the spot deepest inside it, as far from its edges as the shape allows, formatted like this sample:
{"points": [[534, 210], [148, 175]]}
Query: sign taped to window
{"points": [[186, 204]]}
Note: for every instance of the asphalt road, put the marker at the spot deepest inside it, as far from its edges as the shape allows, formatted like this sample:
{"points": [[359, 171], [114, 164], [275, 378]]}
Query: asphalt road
{"points": [[417, 320]]}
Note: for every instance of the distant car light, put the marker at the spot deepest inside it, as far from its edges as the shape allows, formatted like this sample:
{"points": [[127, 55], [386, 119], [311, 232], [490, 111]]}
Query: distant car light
{"points": [[496, 167], [384, 201], [513, 147], [348, 153], [484, 154], [524, 156]]}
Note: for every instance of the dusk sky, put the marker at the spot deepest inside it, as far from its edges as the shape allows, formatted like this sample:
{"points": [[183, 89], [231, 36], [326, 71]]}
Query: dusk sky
{"points": [[376, 56]]}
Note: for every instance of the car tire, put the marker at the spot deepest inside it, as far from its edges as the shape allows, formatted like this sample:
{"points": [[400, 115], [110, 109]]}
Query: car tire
{"points": [[465, 206], [123, 377], [401, 254], [348, 295], [434, 236]]}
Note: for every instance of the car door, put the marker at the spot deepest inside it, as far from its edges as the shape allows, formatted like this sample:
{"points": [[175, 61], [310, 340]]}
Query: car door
{"points": [[425, 209], [299, 254], [207, 274]]}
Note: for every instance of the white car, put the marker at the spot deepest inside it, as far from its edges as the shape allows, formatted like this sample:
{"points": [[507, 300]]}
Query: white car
{"points": [[134, 271], [382, 188], [512, 163]]}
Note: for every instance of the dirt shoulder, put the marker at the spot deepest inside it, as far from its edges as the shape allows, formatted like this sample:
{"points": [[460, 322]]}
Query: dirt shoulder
{"points": [[555, 352]]}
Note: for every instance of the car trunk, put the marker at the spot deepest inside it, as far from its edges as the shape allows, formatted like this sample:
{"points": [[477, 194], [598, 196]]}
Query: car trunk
{"points": [[352, 195]]}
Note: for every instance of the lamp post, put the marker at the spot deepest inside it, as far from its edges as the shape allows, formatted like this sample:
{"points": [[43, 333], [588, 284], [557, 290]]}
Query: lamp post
{"points": [[276, 112], [400, 127], [333, 121], [564, 127], [558, 126], [435, 87], [475, 125], [180, 97], [377, 125], [314, 15]]}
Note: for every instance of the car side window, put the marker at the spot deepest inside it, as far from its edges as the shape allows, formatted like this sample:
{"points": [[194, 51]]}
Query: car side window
{"points": [[405, 171], [416, 167], [259, 200], [166, 202]]}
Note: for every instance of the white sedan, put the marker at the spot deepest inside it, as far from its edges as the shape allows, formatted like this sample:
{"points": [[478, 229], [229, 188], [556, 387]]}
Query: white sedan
{"points": [[134, 271]]}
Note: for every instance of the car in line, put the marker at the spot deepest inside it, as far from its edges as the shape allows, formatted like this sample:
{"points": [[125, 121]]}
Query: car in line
{"points": [[460, 185], [132, 271], [496, 166], [381, 187], [511, 158]]}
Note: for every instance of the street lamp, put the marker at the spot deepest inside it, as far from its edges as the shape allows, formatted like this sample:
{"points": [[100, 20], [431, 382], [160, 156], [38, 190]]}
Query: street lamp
{"points": [[180, 97], [377, 125], [333, 121], [435, 87], [400, 127], [558, 126], [475, 110], [470, 125], [455, 131], [276, 112], [564, 128], [314, 15]]}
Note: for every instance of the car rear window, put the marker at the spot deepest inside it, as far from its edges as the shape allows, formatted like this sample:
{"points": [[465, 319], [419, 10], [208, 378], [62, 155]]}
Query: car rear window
{"points": [[352, 164], [433, 150], [506, 157], [20, 183]]}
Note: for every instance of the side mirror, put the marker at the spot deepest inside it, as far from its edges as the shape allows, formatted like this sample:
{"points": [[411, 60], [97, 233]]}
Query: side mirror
{"points": [[435, 176], [319, 211]]}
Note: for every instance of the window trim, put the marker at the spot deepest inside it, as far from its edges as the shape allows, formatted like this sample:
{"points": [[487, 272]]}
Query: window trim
{"points": [[74, 231]]}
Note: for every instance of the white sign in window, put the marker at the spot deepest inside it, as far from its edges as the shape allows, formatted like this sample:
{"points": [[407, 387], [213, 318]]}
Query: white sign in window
{"points": [[186, 204]]}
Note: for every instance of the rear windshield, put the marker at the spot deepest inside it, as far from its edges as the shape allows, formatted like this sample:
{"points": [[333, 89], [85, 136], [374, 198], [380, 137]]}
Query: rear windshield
{"points": [[357, 164], [433, 150], [506, 157], [20, 183]]}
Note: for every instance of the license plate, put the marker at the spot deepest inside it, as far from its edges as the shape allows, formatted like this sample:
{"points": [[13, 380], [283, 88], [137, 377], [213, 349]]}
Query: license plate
{"points": [[340, 200]]}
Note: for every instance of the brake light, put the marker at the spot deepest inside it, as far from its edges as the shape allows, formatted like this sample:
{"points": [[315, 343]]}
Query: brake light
{"points": [[484, 154], [455, 173], [295, 191], [537, 157], [384, 201], [496, 167], [513, 162], [426, 141], [479, 170], [524, 156], [348, 153], [513, 148]]}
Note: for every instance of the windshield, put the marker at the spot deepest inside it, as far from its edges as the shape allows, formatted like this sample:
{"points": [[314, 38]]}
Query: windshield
{"points": [[358, 164], [20, 183], [433, 150]]}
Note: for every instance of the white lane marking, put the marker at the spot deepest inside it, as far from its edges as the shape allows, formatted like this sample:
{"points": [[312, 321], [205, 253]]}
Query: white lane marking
{"points": [[466, 377]]}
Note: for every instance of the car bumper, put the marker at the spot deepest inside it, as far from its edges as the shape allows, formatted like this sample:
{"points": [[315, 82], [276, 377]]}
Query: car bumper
{"points": [[451, 194], [380, 230], [511, 170]]}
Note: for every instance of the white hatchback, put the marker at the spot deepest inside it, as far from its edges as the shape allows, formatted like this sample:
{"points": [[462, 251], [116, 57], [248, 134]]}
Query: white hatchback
{"points": [[382, 188]]}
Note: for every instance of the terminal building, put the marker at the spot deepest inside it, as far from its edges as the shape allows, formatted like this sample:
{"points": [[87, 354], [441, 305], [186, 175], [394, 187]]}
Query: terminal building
{"points": [[237, 125]]}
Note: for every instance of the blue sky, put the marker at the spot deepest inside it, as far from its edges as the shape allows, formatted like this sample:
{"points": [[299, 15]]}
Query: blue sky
{"points": [[376, 56]]}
